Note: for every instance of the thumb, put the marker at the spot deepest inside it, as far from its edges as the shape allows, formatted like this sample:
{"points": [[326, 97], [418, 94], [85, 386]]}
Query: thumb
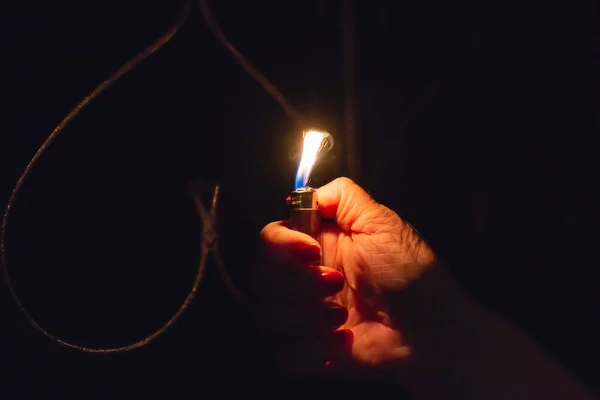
{"points": [[344, 201]]}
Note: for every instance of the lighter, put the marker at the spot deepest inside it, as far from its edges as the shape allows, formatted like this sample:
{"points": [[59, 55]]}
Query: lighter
{"points": [[304, 212]]}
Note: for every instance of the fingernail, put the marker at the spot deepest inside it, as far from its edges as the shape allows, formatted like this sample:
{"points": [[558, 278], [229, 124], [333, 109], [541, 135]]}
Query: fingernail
{"points": [[310, 253], [333, 281], [337, 315], [343, 338]]}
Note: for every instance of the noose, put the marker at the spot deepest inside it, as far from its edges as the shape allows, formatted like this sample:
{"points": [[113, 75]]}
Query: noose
{"points": [[209, 242], [138, 59]]}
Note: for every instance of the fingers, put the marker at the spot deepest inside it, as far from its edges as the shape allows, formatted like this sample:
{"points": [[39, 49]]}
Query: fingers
{"points": [[288, 290], [290, 271], [294, 283], [311, 356], [284, 245], [344, 201], [299, 320]]}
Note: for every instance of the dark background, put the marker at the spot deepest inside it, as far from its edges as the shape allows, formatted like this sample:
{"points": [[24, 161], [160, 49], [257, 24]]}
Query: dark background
{"points": [[496, 168]]}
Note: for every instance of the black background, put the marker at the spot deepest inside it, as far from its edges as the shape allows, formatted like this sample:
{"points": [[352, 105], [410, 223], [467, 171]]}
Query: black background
{"points": [[496, 168]]}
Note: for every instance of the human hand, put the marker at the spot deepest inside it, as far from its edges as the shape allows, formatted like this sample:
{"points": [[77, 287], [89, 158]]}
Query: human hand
{"points": [[369, 253], [383, 308]]}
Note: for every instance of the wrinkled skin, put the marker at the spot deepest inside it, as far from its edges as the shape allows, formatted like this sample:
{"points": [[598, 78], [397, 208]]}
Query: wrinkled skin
{"points": [[369, 253]]}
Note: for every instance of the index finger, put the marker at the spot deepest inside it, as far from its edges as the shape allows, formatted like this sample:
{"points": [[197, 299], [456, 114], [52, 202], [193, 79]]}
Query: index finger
{"points": [[284, 245]]}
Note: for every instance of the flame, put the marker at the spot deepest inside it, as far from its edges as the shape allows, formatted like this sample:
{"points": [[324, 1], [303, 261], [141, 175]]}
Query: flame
{"points": [[316, 143]]}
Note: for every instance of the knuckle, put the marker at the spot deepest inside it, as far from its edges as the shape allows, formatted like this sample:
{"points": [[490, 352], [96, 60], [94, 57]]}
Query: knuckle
{"points": [[345, 181], [269, 232]]}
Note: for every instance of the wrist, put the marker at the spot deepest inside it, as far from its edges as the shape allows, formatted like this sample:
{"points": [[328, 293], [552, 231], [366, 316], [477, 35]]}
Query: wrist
{"points": [[462, 351], [442, 325]]}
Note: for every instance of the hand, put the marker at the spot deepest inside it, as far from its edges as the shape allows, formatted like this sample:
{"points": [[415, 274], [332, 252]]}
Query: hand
{"points": [[383, 308], [369, 253]]}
